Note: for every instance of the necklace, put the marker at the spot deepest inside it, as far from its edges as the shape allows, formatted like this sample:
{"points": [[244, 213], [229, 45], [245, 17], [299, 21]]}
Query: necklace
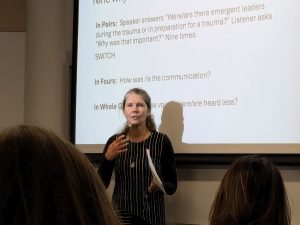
{"points": [[139, 138], [139, 143]]}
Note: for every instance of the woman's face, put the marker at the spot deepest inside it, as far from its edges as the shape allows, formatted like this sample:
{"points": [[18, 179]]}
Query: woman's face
{"points": [[135, 110]]}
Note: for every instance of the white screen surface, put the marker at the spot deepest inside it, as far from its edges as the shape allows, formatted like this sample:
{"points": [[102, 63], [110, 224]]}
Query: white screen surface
{"points": [[221, 74]]}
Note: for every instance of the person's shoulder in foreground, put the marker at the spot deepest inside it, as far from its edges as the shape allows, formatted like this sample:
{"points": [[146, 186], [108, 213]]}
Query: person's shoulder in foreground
{"points": [[252, 192], [46, 180]]}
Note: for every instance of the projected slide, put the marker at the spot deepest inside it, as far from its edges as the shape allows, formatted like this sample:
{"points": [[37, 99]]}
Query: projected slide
{"points": [[218, 72]]}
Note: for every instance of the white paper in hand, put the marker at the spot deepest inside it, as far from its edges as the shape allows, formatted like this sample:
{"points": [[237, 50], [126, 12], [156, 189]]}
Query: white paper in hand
{"points": [[155, 177]]}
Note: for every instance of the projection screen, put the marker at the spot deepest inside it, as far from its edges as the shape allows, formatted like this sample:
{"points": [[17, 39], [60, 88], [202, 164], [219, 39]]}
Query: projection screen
{"points": [[223, 75]]}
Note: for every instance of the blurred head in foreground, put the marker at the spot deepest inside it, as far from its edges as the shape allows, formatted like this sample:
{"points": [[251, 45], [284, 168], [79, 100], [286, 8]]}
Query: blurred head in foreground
{"points": [[252, 192], [46, 180]]}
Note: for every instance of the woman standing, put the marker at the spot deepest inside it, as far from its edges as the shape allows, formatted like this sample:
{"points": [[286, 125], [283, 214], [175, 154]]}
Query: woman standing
{"points": [[136, 198]]}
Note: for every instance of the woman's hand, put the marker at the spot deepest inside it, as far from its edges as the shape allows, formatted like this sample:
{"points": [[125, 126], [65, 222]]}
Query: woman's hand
{"points": [[117, 147]]}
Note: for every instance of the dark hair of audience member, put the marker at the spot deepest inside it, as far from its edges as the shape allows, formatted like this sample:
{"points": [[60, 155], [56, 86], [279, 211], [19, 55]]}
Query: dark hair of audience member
{"points": [[252, 192], [46, 180]]}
